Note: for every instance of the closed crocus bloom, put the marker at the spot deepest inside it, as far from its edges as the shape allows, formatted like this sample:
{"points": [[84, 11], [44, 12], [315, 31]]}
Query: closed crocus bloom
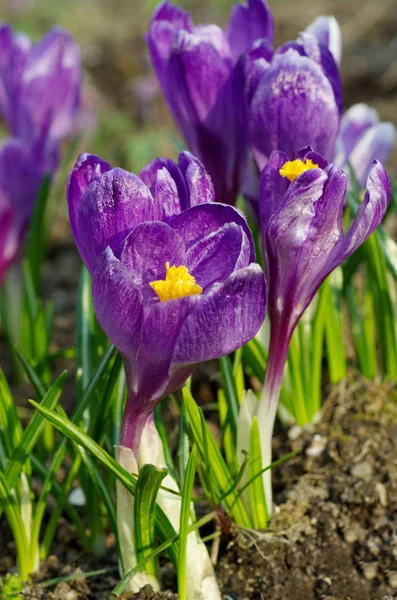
{"points": [[19, 186], [362, 138], [39, 89], [303, 239], [201, 77], [171, 287], [294, 99]]}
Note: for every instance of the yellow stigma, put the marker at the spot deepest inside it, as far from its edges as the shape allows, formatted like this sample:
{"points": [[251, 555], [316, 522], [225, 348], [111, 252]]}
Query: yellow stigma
{"points": [[293, 168], [178, 283]]}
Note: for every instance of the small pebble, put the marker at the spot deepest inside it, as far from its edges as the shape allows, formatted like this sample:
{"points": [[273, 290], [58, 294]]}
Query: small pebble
{"points": [[317, 446], [294, 433], [392, 577], [362, 470], [370, 570]]}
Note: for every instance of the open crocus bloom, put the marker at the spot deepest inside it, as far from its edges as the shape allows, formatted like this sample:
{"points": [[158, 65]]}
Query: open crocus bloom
{"points": [[174, 282], [19, 186], [202, 81], [39, 89], [303, 239]]}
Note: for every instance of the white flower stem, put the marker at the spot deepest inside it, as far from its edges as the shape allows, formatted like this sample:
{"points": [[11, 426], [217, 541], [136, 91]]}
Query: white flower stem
{"points": [[202, 584]]}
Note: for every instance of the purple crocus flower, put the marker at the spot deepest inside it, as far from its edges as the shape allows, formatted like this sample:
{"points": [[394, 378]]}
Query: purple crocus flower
{"points": [[174, 282], [201, 77], [294, 100], [303, 239], [362, 137], [39, 89], [19, 186]]}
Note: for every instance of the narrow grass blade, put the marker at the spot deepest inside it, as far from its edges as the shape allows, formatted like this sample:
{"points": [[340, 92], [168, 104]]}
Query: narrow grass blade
{"points": [[187, 492], [146, 490], [260, 515]]}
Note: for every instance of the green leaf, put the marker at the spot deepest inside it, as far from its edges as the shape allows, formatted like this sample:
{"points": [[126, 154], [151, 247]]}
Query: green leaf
{"points": [[229, 386], [187, 492], [14, 519], [10, 425], [260, 515], [147, 487], [32, 432], [217, 475]]}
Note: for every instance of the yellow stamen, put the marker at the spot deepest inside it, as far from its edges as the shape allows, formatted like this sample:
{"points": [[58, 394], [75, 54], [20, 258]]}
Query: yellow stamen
{"points": [[293, 168], [178, 283]]}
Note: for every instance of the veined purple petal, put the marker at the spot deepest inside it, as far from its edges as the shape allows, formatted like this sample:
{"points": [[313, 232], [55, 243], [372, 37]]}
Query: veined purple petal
{"points": [[255, 62], [215, 36], [197, 72], [358, 119], [14, 52], [110, 208], [178, 187], [328, 33], [273, 187], [204, 219], [214, 258], [49, 92], [197, 179], [370, 214], [223, 320], [176, 16], [157, 175], [249, 23], [146, 251], [161, 325], [376, 143], [294, 106], [323, 57], [117, 302], [10, 237], [87, 168]]}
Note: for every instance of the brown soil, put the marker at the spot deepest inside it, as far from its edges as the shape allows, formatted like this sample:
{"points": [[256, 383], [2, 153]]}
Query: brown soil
{"points": [[334, 530]]}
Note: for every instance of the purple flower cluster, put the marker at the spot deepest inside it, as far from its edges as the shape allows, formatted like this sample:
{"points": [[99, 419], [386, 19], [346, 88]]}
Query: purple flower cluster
{"points": [[235, 97], [39, 95]]}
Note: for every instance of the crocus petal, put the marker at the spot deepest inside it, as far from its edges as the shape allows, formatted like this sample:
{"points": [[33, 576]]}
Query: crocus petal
{"points": [[110, 208], [370, 214], [223, 320], [178, 187], [249, 23], [202, 220], [375, 143], [323, 57], [355, 122], [49, 91], [160, 176], [161, 325], [14, 51], [328, 33], [197, 179], [176, 16], [87, 168], [197, 73], [214, 258], [273, 187], [117, 302], [291, 105], [146, 251]]}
